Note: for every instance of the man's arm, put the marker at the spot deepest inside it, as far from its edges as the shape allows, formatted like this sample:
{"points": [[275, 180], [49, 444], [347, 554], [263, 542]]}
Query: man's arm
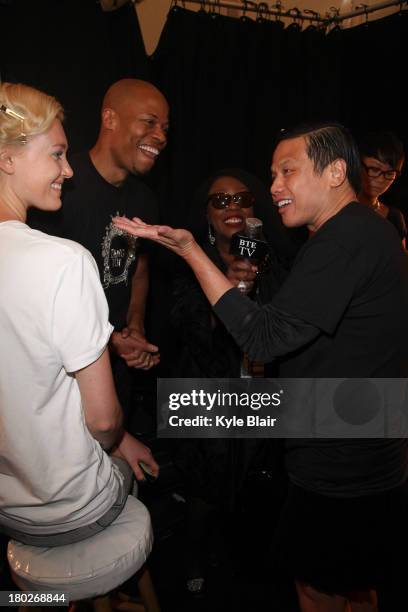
{"points": [[264, 332], [140, 287], [180, 241], [103, 413], [130, 343]]}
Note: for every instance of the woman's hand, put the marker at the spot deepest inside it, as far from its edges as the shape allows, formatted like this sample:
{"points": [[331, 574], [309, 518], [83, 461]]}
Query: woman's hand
{"points": [[134, 452], [180, 241], [242, 272]]}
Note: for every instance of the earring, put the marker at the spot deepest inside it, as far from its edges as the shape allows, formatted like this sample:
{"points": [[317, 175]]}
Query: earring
{"points": [[211, 237]]}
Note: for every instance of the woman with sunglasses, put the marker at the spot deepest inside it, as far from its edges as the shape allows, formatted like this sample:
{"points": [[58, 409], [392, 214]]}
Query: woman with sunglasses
{"points": [[214, 470], [382, 158], [220, 208]]}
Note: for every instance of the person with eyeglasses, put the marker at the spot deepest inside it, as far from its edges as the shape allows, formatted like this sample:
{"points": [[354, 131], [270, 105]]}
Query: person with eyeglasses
{"points": [[382, 158]]}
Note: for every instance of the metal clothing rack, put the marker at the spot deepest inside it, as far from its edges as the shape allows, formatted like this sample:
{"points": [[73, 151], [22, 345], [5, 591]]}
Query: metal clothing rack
{"points": [[263, 9]]}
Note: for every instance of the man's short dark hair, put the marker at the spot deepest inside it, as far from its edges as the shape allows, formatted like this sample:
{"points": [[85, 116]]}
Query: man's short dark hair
{"points": [[382, 145], [326, 142]]}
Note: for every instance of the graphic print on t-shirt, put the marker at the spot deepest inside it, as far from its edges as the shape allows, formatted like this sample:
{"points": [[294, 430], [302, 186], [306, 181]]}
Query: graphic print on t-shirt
{"points": [[118, 253]]}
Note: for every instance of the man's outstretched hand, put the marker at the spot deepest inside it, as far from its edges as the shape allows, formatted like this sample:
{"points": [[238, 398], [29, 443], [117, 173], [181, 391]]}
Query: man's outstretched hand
{"points": [[180, 241]]}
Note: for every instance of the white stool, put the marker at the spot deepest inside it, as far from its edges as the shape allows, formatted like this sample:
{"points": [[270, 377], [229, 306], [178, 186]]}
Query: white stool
{"points": [[89, 568]]}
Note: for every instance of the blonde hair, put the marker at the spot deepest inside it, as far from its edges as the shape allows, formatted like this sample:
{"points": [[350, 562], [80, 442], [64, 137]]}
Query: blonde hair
{"points": [[25, 112]]}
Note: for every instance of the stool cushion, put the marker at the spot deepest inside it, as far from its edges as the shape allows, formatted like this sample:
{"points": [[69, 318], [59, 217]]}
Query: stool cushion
{"points": [[91, 567]]}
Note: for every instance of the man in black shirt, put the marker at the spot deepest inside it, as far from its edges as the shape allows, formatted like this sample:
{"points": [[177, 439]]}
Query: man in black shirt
{"points": [[342, 312], [106, 183]]}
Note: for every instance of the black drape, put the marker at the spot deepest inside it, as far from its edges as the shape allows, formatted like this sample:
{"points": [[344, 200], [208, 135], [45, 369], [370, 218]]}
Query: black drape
{"points": [[74, 51], [233, 83]]}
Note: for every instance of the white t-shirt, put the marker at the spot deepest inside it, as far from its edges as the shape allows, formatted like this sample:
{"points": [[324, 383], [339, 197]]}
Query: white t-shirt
{"points": [[54, 476]]}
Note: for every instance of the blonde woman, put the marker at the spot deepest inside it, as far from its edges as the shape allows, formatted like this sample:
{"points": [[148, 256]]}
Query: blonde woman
{"points": [[58, 408]]}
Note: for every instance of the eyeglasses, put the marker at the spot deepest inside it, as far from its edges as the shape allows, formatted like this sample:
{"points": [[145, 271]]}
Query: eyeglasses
{"points": [[243, 199], [389, 175]]}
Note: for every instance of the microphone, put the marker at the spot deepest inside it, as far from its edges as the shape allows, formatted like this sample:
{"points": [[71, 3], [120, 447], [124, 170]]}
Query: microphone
{"points": [[249, 245]]}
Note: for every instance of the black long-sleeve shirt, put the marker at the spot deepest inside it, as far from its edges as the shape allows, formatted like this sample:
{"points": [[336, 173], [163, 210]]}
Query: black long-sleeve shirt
{"points": [[342, 313]]}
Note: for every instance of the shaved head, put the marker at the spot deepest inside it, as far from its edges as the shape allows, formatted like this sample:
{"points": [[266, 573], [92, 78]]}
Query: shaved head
{"points": [[133, 133], [126, 91]]}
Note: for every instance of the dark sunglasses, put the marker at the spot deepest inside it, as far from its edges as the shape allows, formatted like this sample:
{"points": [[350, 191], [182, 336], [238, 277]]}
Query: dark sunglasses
{"points": [[243, 199]]}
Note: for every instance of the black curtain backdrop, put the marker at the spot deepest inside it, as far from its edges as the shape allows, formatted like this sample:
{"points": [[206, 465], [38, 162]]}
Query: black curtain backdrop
{"points": [[231, 83], [234, 83], [72, 50]]}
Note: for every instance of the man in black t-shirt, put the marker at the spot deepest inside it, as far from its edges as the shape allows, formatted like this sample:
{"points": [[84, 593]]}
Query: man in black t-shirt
{"points": [[106, 183], [341, 313]]}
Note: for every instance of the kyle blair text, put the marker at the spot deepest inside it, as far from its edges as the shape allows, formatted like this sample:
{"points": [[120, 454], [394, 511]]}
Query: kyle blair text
{"points": [[222, 421]]}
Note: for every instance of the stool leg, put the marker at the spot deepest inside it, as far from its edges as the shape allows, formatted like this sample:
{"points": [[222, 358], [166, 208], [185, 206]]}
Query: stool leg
{"points": [[102, 604], [146, 590], [128, 605]]}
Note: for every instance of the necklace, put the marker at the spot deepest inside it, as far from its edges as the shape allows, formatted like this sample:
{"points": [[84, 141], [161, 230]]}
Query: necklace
{"points": [[377, 205]]}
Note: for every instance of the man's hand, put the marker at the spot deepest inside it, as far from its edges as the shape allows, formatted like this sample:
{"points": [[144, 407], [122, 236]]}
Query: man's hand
{"points": [[132, 346], [149, 354], [213, 282], [180, 241], [242, 270], [133, 451]]}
